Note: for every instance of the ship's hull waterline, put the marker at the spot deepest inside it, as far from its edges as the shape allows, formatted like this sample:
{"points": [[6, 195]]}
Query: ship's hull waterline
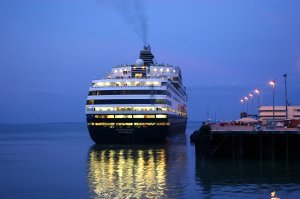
{"points": [[134, 131]]}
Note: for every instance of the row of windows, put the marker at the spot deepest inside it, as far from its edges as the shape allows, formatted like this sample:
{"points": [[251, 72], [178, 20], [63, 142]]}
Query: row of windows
{"points": [[131, 116], [129, 101], [181, 111], [135, 108], [128, 83], [129, 124], [130, 92]]}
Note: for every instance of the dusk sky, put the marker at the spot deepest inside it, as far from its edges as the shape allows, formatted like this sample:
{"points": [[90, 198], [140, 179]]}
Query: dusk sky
{"points": [[51, 50]]}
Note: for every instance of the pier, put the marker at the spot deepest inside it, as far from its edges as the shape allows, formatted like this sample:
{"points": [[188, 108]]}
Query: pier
{"points": [[247, 143]]}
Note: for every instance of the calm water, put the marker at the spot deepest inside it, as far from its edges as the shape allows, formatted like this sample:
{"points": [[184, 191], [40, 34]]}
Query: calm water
{"points": [[60, 161]]}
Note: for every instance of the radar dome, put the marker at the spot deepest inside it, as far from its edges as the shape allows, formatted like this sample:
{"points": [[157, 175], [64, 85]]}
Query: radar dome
{"points": [[139, 62]]}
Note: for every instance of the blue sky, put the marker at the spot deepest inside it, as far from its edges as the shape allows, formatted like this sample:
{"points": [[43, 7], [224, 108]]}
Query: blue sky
{"points": [[51, 50]]}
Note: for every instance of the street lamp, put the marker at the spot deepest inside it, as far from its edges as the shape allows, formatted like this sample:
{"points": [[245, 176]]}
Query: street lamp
{"points": [[242, 101], [246, 98], [272, 83], [286, 100], [257, 91], [251, 96]]}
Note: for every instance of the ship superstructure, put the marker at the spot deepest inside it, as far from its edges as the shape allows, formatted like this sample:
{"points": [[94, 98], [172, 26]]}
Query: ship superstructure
{"points": [[142, 102]]}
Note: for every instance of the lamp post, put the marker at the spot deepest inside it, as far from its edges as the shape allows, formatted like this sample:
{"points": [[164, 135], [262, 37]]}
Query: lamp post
{"points": [[257, 91], [272, 83], [286, 101], [246, 98], [251, 96], [242, 101]]}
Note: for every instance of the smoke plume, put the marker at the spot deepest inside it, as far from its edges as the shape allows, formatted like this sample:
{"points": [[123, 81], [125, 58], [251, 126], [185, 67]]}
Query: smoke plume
{"points": [[133, 13]]}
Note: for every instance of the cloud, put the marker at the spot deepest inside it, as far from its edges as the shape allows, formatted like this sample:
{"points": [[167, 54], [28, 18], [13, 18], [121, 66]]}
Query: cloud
{"points": [[134, 14]]}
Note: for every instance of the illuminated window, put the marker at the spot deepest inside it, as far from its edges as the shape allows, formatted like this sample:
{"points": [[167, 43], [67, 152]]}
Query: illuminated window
{"points": [[138, 75], [104, 124], [161, 116], [143, 116], [124, 124], [161, 70], [144, 124], [156, 83], [104, 116], [103, 108], [90, 102], [99, 84], [138, 116], [168, 70], [149, 116], [123, 116]]}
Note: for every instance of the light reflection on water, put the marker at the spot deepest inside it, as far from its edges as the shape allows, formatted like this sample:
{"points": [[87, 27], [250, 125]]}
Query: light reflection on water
{"points": [[140, 171], [126, 172]]}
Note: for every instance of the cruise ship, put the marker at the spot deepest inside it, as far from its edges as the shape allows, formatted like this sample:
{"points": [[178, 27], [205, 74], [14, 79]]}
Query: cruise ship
{"points": [[144, 102]]}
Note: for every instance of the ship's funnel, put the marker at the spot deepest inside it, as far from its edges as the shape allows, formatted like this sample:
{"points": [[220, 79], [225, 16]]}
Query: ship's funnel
{"points": [[146, 55]]}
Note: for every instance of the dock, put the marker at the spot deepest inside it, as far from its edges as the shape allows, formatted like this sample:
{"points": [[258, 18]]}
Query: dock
{"points": [[245, 142]]}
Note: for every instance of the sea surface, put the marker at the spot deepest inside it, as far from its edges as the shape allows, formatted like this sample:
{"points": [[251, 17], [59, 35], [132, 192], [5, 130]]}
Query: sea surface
{"points": [[59, 160]]}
